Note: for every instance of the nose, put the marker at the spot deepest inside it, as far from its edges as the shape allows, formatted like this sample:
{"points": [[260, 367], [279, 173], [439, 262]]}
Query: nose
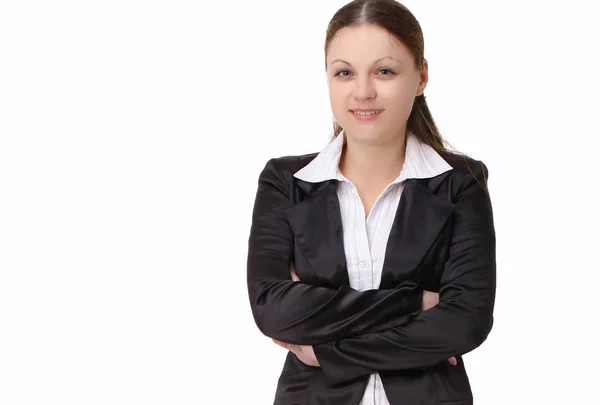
{"points": [[363, 88]]}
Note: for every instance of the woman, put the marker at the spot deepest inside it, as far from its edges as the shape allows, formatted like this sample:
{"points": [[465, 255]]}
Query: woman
{"points": [[349, 248]]}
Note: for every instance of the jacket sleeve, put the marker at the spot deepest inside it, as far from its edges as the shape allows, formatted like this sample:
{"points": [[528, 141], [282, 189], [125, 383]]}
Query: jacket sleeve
{"points": [[297, 312], [463, 317]]}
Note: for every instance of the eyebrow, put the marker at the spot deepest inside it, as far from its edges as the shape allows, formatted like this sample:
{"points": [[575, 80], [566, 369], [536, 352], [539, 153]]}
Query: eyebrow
{"points": [[378, 60]]}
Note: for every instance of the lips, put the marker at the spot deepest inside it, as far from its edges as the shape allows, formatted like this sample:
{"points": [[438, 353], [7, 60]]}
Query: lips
{"points": [[365, 113]]}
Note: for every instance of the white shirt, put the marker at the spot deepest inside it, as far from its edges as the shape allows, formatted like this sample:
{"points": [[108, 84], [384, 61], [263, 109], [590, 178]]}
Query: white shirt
{"points": [[365, 239]]}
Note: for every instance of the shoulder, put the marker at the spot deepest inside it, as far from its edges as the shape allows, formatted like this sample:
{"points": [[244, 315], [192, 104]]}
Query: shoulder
{"points": [[467, 173], [284, 167], [465, 166], [278, 172]]}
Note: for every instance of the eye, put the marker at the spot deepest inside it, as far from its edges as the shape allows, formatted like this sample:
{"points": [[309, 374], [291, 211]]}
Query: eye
{"points": [[340, 73], [389, 72]]}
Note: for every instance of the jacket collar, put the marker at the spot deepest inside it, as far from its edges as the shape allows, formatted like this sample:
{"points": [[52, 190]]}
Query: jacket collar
{"points": [[421, 161]]}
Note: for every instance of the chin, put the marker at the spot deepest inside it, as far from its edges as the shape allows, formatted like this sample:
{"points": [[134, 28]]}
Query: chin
{"points": [[364, 133]]}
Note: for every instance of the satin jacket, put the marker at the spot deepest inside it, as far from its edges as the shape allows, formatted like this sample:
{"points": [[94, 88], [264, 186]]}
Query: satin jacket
{"points": [[442, 240]]}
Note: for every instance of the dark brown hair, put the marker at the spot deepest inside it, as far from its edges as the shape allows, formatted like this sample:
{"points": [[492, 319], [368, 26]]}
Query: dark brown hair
{"points": [[400, 22]]}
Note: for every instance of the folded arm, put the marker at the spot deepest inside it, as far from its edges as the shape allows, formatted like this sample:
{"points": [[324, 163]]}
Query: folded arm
{"points": [[296, 312], [458, 324]]}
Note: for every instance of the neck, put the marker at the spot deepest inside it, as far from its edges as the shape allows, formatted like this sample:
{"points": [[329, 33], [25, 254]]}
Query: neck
{"points": [[373, 163]]}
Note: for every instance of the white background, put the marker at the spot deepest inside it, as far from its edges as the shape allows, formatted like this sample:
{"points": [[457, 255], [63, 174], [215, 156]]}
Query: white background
{"points": [[131, 139]]}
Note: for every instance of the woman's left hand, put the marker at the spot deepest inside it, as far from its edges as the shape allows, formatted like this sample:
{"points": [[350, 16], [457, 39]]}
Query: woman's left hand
{"points": [[305, 354], [293, 273]]}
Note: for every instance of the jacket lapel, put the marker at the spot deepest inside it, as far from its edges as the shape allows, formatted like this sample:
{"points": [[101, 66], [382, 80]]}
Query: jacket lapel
{"points": [[316, 223], [419, 219], [317, 226]]}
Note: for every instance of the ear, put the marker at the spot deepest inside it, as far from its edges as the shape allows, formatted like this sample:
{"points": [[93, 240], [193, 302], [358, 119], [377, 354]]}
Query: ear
{"points": [[424, 74]]}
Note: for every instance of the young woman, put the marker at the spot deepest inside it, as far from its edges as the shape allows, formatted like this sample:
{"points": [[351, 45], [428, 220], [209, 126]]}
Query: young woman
{"points": [[373, 261]]}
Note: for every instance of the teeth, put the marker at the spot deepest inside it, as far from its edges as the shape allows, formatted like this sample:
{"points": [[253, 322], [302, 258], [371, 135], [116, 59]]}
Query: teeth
{"points": [[366, 112]]}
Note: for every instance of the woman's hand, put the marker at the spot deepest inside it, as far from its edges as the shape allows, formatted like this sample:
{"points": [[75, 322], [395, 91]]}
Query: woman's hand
{"points": [[305, 354], [430, 300], [293, 273]]}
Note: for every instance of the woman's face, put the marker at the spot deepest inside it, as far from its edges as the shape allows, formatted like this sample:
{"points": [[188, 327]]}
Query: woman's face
{"points": [[369, 69]]}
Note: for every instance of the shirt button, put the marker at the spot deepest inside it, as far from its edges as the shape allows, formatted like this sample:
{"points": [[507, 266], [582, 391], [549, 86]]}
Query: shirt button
{"points": [[362, 263]]}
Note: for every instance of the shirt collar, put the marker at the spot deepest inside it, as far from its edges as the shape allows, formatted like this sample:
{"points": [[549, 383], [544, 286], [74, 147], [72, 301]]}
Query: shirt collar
{"points": [[421, 161]]}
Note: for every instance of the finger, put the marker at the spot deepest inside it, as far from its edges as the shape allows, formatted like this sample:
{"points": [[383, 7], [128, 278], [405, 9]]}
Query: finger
{"points": [[307, 359], [294, 276], [309, 352], [291, 347], [452, 360], [280, 343]]}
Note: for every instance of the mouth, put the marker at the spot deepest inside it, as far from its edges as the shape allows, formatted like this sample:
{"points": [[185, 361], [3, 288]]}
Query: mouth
{"points": [[365, 114]]}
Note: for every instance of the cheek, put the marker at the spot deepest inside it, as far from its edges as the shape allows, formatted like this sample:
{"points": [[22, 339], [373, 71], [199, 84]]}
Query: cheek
{"points": [[338, 98], [400, 99]]}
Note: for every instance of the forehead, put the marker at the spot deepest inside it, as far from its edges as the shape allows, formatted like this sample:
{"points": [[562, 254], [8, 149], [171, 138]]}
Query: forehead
{"points": [[366, 43]]}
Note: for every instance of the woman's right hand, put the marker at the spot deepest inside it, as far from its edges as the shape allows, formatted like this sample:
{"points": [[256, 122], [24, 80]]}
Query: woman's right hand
{"points": [[430, 300], [293, 273]]}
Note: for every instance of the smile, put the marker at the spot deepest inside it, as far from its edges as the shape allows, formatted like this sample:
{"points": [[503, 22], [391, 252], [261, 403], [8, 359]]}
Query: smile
{"points": [[366, 113]]}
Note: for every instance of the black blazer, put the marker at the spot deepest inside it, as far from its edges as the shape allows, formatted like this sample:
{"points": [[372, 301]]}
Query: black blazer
{"points": [[442, 240]]}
